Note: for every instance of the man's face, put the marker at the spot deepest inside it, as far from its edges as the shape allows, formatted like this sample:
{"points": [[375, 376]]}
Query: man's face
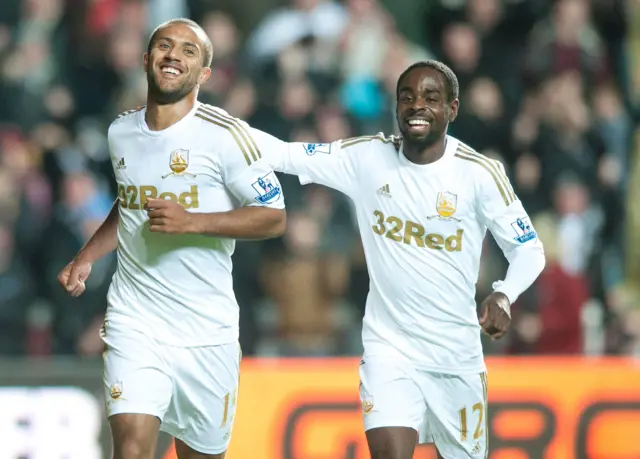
{"points": [[423, 110], [174, 65]]}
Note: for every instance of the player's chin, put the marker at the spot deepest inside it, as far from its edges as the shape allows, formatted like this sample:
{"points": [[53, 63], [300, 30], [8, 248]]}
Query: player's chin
{"points": [[170, 85], [417, 137], [171, 94], [425, 139]]}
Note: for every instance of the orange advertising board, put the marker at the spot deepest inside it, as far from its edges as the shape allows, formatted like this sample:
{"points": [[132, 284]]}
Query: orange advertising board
{"points": [[547, 408]]}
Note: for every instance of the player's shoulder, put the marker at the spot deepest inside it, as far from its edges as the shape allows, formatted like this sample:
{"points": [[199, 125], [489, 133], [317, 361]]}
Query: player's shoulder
{"points": [[481, 166], [123, 124], [379, 142], [489, 173], [214, 118], [238, 134], [127, 117]]}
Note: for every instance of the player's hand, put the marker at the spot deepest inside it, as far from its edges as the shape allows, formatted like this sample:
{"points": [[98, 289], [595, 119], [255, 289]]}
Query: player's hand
{"points": [[167, 217], [495, 315], [73, 277]]}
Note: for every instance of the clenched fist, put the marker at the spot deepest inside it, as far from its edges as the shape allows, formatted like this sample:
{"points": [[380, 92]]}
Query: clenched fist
{"points": [[73, 276], [167, 217], [495, 315]]}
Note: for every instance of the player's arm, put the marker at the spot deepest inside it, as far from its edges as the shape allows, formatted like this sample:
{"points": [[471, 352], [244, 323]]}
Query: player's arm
{"points": [[512, 229], [251, 222], [248, 176], [330, 164], [502, 212], [103, 241]]}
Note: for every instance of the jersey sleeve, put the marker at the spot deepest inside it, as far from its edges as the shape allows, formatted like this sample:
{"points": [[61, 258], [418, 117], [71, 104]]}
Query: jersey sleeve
{"points": [[502, 212], [328, 164], [247, 173]]}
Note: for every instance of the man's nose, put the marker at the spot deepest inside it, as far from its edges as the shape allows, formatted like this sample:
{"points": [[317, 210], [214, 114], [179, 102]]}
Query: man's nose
{"points": [[173, 54], [419, 103]]}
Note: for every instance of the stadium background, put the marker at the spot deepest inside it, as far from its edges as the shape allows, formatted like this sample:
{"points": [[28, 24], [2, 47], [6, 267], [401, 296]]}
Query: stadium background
{"points": [[549, 87]]}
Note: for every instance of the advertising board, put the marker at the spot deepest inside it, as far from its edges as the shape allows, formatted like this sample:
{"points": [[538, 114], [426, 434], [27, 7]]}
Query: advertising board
{"points": [[551, 408]]}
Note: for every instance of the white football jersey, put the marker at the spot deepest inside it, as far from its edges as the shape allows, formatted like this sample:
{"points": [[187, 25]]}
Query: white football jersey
{"points": [[179, 288], [422, 228]]}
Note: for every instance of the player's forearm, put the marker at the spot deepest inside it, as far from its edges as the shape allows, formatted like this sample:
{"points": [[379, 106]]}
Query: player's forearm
{"points": [[242, 223], [104, 240], [525, 265]]}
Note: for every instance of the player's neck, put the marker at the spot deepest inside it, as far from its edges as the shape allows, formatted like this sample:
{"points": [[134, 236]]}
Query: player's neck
{"points": [[161, 116], [420, 154]]}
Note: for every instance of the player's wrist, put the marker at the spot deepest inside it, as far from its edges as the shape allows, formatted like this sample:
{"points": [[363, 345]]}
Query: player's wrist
{"points": [[502, 298], [88, 254], [194, 223], [83, 258]]}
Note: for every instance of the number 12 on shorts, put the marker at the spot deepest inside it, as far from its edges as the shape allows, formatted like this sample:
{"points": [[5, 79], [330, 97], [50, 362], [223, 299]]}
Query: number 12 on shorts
{"points": [[479, 408]]}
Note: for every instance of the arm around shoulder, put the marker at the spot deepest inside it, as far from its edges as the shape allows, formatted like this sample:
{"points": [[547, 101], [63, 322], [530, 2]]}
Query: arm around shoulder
{"points": [[327, 164]]}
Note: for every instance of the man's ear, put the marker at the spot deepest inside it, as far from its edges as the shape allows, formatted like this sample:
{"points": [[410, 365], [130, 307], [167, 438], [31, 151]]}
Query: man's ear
{"points": [[205, 73], [453, 110]]}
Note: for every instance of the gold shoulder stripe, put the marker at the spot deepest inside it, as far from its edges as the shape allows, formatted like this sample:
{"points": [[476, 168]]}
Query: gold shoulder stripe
{"points": [[355, 140], [397, 142], [129, 112], [488, 169], [229, 128], [495, 165], [365, 138], [241, 127], [241, 130]]}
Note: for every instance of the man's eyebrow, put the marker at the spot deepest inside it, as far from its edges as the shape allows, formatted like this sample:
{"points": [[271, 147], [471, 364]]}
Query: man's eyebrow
{"points": [[186, 43]]}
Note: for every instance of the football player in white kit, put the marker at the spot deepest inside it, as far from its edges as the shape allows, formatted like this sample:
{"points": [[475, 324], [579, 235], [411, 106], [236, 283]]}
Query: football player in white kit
{"points": [[191, 180], [424, 202]]}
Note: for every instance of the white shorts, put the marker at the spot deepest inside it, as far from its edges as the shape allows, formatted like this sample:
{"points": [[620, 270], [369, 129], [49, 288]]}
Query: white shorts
{"points": [[193, 391], [447, 410]]}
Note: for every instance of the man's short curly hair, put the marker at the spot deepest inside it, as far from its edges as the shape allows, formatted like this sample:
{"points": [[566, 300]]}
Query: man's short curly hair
{"points": [[450, 78]]}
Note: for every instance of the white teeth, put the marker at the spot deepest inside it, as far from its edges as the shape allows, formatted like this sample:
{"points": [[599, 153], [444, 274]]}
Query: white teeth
{"points": [[418, 123], [170, 70]]}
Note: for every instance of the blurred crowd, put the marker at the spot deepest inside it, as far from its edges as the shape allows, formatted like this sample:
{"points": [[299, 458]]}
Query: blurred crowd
{"points": [[548, 87]]}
